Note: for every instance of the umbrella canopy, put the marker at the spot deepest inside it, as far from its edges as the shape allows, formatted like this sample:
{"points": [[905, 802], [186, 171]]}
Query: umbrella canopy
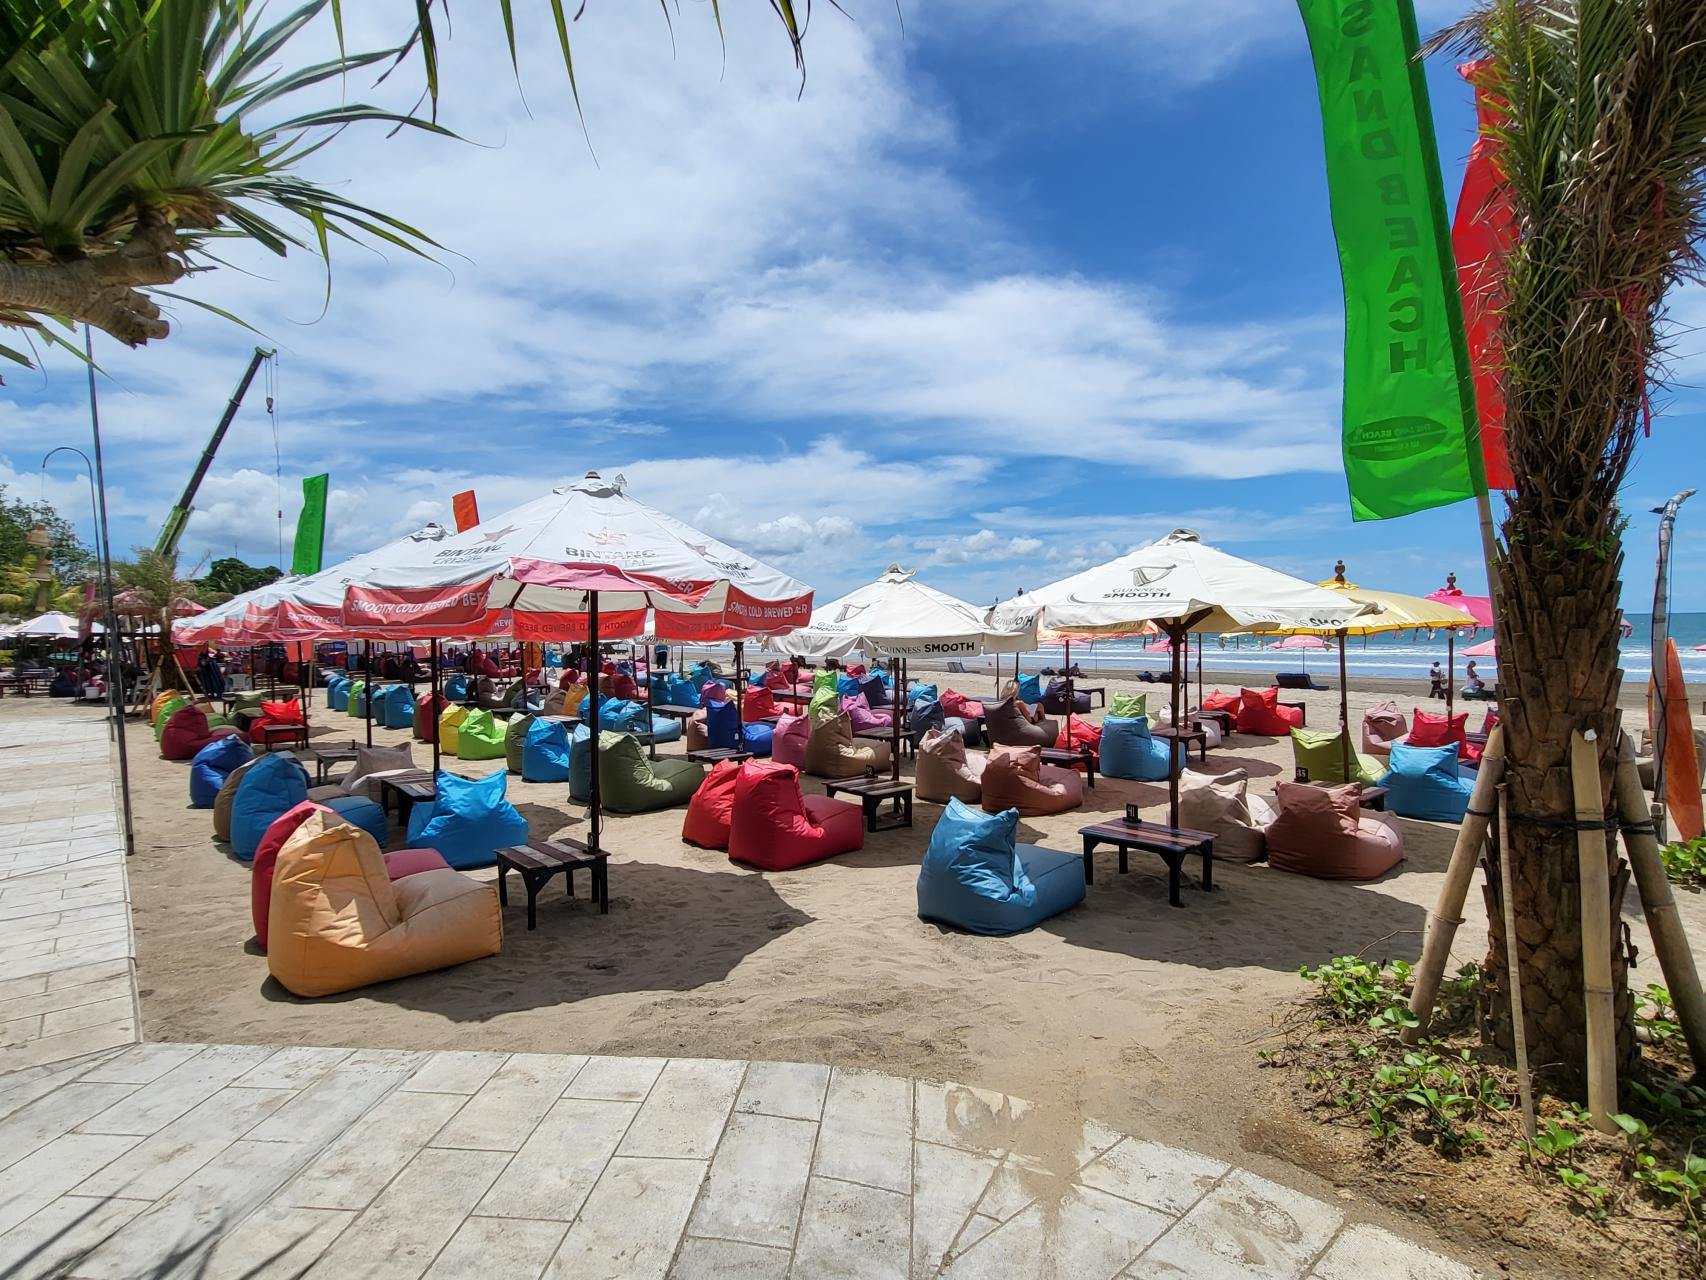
{"points": [[583, 547], [1479, 608], [1486, 649], [51, 625], [1303, 641], [898, 616]]}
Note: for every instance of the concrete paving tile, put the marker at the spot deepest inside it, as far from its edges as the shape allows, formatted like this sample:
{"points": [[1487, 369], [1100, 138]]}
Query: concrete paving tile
{"points": [[68, 1045], [154, 1106], [946, 1186], [505, 1110], [513, 1248], [728, 1260], [399, 1234], [683, 1116], [49, 1240], [956, 1115], [75, 976], [322, 1111], [850, 1232], [790, 1089], [561, 1161], [631, 1223], [116, 1009], [149, 1170], [62, 998], [1363, 1250], [757, 1181], [1164, 1178], [866, 1134], [143, 1064], [1085, 1233], [453, 1071], [358, 1166], [33, 928], [29, 1185], [179, 1233], [21, 988], [20, 1088], [19, 1031], [33, 1126], [275, 1242], [1247, 1227], [616, 1079], [293, 1067]]}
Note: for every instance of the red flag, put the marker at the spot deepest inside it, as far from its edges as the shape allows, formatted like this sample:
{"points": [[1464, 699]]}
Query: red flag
{"points": [[467, 511], [1483, 233]]}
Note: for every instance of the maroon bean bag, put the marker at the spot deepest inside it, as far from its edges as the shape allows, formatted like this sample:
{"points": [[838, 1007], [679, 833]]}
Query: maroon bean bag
{"points": [[1259, 712], [424, 718], [186, 733], [774, 826], [707, 821]]}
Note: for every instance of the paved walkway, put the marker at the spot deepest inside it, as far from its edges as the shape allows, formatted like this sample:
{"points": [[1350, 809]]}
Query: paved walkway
{"points": [[120, 1159]]}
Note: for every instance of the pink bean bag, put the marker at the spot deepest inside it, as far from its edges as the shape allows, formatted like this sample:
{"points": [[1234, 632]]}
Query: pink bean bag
{"points": [[707, 821], [1322, 832], [788, 744], [957, 704], [860, 715], [1017, 778], [773, 826]]}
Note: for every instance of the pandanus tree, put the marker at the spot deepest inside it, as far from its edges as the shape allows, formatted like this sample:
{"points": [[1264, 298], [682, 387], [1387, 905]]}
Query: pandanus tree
{"points": [[156, 593], [1602, 136], [136, 135]]}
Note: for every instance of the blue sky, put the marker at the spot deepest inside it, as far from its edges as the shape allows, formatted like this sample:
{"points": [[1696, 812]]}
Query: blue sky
{"points": [[998, 298]]}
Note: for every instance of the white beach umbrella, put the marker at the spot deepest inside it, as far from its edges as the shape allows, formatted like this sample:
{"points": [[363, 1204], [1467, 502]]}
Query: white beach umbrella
{"points": [[898, 616], [51, 625]]}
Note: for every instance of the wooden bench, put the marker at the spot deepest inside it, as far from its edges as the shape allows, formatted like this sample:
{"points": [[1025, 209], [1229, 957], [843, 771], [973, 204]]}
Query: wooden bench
{"points": [[872, 792], [537, 863], [715, 755], [1171, 844]]}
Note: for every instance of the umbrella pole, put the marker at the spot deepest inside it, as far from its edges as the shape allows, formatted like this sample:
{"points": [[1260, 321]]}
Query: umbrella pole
{"points": [[593, 823], [1344, 709], [1450, 668], [1173, 744], [1067, 740], [1199, 670], [367, 688], [432, 674], [895, 705], [740, 684]]}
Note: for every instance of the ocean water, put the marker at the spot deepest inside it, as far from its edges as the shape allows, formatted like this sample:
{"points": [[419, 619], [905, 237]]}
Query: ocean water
{"points": [[1399, 655]]}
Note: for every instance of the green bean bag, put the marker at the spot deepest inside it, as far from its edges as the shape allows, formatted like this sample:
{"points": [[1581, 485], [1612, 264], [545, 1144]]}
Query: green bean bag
{"points": [[825, 704], [630, 783], [1322, 753], [827, 679], [514, 737], [1128, 706], [358, 700], [480, 737], [165, 714]]}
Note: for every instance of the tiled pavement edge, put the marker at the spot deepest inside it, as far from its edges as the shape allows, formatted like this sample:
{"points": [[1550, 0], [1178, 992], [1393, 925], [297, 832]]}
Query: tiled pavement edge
{"points": [[223, 1161]]}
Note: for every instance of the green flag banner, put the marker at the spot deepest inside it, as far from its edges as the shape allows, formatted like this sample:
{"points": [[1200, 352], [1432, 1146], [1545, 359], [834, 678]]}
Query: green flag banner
{"points": [[1409, 420], [310, 526]]}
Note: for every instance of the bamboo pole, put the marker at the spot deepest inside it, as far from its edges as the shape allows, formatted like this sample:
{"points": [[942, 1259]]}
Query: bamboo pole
{"points": [[1448, 911], [1596, 931], [1519, 1023], [1670, 941]]}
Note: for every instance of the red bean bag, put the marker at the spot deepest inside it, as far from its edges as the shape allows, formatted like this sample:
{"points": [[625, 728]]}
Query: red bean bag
{"points": [[774, 826], [276, 713], [1078, 733], [424, 717], [776, 680], [186, 733], [957, 704], [857, 672], [1260, 713], [758, 704], [1227, 702], [1428, 730], [409, 862], [707, 821]]}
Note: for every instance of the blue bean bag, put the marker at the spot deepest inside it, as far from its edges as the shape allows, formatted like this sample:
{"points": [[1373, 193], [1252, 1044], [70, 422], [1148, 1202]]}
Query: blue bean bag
{"points": [[1427, 782], [846, 686], [927, 715], [699, 673], [976, 877], [468, 821], [1031, 689], [210, 767], [1129, 750], [361, 812], [337, 693], [724, 729], [275, 783], [665, 729], [395, 707], [922, 693], [456, 688], [545, 752], [618, 716], [675, 692]]}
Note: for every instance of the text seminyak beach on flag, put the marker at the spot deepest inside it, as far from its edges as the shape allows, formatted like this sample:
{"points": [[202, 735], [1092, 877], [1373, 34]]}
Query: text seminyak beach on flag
{"points": [[1410, 440]]}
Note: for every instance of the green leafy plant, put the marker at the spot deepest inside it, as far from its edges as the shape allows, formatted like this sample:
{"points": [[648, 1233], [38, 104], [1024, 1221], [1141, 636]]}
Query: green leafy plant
{"points": [[1685, 862]]}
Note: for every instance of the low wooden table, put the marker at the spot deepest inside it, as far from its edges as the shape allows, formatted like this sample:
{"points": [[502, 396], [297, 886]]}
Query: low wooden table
{"points": [[537, 863], [274, 735], [1221, 718], [1186, 737], [326, 757], [410, 788], [872, 792], [674, 710], [1073, 758], [878, 734], [1171, 844], [715, 755]]}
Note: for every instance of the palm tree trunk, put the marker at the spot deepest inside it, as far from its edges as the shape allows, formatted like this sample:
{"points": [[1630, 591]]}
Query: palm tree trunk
{"points": [[1558, 671]]}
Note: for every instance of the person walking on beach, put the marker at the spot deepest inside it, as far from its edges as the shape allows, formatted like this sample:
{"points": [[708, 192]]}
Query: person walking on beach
{"points": [[1436, 681]]}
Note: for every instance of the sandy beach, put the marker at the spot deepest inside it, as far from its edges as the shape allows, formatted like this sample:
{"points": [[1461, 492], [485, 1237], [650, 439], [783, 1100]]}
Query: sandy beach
{"points": [[1124, 1010]]}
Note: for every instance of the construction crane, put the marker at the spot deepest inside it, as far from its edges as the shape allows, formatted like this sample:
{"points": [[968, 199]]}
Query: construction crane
{"points": [[179, 516]]}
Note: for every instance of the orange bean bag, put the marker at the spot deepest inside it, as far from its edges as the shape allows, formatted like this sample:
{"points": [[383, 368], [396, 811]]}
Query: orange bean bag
{"points": [[1017, 778], [337, 921], [946, 770], [1322, 832], [773, 826], [1259, 712], [833, 752], [707, 821]]}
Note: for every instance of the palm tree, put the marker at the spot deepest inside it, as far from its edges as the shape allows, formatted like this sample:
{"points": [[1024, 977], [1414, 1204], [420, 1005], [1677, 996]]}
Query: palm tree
{"points": [[152, 586], [1604, 150], [134, 133]]}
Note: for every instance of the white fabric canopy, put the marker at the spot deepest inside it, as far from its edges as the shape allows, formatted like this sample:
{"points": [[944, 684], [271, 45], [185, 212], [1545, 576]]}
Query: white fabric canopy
{"points": [[549, 560], [1178, 583], [898, 616], [51, 625]]}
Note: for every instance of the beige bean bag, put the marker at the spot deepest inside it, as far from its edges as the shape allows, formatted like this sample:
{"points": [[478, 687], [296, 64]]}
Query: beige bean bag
{"points": [[338, 921], [1017, 778], [372, 766], [696, 737], [222, 801], [833, 752], [1322, 832], [946, 770], [1222, 803], [1382, 725], [1007, 726]]}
